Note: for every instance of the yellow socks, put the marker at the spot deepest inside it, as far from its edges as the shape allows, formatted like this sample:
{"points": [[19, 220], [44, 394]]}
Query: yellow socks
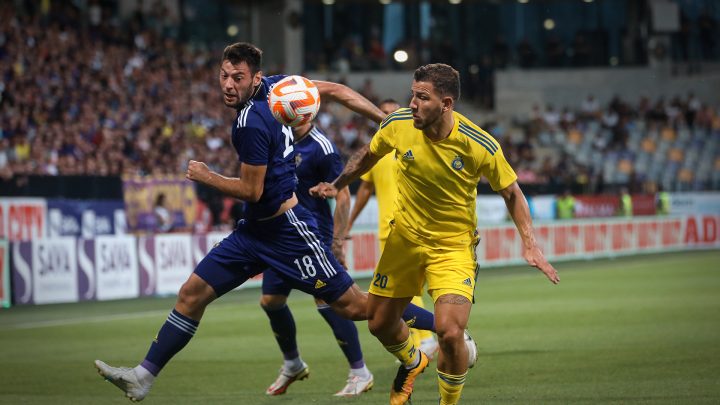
{"points": [[450, 387], [406, 352]]}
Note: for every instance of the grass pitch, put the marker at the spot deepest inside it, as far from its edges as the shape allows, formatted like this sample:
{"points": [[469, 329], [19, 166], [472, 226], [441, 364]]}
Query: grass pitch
{"points": [[638, 330]]}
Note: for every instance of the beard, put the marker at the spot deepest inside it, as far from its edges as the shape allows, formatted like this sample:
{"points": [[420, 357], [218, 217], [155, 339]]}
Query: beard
{"points": [[241, 98], [427, 121]]}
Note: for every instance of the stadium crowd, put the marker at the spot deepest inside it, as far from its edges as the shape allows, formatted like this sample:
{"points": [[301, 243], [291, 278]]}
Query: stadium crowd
{"points": [[120, 98]]}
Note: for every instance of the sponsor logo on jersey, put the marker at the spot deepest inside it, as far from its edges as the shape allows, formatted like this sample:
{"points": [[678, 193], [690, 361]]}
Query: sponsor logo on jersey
{"points": [[408, 155]]}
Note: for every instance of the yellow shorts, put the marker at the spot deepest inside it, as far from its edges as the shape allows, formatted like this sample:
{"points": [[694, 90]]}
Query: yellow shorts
{"points": [[405, 266]]}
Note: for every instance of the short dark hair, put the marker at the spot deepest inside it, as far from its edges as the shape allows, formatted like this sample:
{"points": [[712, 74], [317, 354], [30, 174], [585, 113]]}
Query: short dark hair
{"points": [[444, 79], [244, 52]]}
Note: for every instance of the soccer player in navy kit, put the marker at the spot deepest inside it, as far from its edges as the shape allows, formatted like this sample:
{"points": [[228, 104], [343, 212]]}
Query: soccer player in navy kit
{"points": [[316, 159], [277, 233]]}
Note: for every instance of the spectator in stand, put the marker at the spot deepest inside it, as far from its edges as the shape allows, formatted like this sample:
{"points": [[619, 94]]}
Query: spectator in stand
{"points": [[163, 217]]}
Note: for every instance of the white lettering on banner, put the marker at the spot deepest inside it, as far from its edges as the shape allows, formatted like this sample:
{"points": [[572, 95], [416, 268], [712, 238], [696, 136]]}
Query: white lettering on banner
{"points": [[120, 220], [173, 262], [54, 267], [117, 267]]}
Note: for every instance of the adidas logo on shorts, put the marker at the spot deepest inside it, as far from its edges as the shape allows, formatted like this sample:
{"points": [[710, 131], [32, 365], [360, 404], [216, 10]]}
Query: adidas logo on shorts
{"points": [[467, 282], [319, 284]]}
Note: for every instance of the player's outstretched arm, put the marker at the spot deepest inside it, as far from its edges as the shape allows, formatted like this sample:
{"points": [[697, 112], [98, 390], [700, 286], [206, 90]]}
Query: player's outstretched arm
{"points": [[349, 98], [362, 197], [520, 213], [249, 187], [359, 163]]}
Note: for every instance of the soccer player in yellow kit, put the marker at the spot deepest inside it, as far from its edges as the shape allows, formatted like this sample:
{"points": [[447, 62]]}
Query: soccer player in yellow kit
{"points": [[382, 180], [441, 157]]}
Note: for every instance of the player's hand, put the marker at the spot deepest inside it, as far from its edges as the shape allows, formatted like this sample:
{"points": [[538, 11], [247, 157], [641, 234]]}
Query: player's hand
{"points": [[323, 190], [197, 171], [338, 250], [534, 256]]}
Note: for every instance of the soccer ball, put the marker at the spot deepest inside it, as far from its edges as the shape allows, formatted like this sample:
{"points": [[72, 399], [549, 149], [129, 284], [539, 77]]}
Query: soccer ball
{"points": [[294, 101], [472, 350]]}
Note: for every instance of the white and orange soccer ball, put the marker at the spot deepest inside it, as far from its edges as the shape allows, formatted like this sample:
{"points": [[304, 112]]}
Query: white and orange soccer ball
{"points": [[294, 101]]}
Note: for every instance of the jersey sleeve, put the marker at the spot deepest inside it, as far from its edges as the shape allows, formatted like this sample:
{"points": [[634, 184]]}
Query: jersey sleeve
{"points": [[367, 176], [271, 80], [383, 142], [330, 167], [254, 146], [498, 171]]}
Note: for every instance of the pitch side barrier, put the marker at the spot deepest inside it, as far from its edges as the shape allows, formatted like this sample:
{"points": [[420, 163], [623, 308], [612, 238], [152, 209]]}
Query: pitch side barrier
{"points": [[500, 245], [107, 267]]}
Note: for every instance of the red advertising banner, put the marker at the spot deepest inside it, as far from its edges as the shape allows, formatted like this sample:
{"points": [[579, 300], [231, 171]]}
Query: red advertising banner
{"points": [[23, 219], [643, 204]]}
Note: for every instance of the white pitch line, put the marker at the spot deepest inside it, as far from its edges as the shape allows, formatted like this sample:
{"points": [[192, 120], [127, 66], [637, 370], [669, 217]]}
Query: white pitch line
{"points": [[91, 319]]}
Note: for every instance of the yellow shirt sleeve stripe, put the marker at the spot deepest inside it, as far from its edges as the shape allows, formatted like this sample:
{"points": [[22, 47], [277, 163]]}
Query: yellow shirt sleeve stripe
{"points": [[482, 135], [396, 118], [484, 142], [400, 112]]}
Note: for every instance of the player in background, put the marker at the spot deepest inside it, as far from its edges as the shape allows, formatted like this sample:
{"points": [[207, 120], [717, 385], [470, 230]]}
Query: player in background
{"points": [[382, 180], [316, 159], [441, 157], [276, 234]]}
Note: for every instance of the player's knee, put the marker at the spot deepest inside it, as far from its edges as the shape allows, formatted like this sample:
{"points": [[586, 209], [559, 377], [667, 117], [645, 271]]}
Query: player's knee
{"points": [[194, 295], [272, 302], [450, 336], [378, 325]]}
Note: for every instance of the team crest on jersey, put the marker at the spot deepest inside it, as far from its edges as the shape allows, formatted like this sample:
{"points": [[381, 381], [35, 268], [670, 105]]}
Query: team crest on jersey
{"points": [[458, 163], [298, 159]]}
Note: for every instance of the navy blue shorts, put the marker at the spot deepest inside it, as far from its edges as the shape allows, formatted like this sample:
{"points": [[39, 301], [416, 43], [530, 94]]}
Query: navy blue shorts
{"points": [[287, 245]]}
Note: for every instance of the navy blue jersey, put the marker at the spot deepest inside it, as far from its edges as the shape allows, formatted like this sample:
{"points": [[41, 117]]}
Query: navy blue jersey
{"points": [[260, 140], [317, 159]]}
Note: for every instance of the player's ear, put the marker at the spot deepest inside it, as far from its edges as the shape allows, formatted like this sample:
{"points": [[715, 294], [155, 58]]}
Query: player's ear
{"points": [[448, 103], [257, 77]]}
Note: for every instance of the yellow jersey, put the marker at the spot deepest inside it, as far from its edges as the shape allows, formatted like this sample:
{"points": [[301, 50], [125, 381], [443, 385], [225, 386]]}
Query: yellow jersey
{"points": [[437, 181], [384, 177]]}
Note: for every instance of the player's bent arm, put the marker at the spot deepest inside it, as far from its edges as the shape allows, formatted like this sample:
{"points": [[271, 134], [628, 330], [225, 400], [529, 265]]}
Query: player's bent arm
{"points": [[362, 196], [248, 187], [520, 213], [349, 98], [341, 215], [340, 224], [360, 162]]}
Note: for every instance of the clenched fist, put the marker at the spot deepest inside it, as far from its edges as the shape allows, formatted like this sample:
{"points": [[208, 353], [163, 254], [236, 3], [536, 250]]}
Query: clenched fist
{"points": [[197, 171]]}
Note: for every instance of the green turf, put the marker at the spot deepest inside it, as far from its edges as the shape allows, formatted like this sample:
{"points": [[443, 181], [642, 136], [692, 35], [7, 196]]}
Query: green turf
{"points": [[633, 330]]}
